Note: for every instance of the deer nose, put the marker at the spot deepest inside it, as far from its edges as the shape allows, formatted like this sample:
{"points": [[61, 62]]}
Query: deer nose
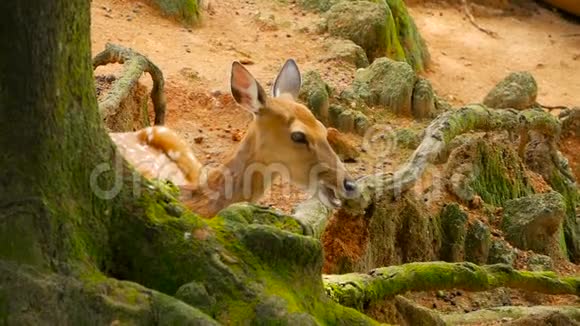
{"points": [[349, 185]]}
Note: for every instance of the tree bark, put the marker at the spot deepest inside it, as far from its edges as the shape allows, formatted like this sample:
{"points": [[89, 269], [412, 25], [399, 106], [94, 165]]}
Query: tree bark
{"points": [[50, 137]]}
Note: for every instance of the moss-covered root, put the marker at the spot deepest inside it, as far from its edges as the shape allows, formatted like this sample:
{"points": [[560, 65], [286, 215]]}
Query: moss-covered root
{"points": [[135, 65], [31, 297], [356, 290], [440, 132], [485, 316]]}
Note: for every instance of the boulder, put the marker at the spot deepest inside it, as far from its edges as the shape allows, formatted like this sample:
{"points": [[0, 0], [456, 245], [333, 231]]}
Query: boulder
{"points": [[500, 252], [363, 22], [317, 5], [315, 93], [516, 91], [535, 223], [540, 263], [477, 243], [423, 100], [386, 83], [454, 228], [346, 51]]}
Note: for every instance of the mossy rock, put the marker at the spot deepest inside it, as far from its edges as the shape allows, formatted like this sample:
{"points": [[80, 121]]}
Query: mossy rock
{"points": [[540, 263], [407, 138], [535, 223], [539, 158], [346, 51], [400, 232], [516, 91], [490, 171], [361, 123], [315, 92], [454, 229], [423, 100], [477, 243], [362, 22], [317, 5], [381, 28], [185, 11], [500, 252], [386, 83]]}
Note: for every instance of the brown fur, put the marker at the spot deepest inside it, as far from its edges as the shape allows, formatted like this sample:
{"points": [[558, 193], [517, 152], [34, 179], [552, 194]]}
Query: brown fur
{"points": [[267, 150]]}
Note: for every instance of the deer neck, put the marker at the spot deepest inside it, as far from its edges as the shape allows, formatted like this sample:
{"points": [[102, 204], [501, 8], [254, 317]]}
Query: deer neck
{"points": [[239, 178]]}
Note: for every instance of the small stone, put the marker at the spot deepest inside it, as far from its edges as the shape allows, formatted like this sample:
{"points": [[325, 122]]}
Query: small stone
{"points": [[198, 139], [236, 136]]}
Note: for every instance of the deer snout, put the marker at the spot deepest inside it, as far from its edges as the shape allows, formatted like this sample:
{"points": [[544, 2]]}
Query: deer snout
{"points": [[350, 187]]}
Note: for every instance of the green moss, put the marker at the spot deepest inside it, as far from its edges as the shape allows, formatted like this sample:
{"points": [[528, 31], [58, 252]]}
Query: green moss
{"points": [[187, 11], [453, 222], [410, 42], [569, 238], [499, 174]]}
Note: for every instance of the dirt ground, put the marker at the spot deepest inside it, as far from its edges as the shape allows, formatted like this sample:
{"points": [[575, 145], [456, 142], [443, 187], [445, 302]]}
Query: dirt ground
{"points": [[466, 64], [196, 61]]}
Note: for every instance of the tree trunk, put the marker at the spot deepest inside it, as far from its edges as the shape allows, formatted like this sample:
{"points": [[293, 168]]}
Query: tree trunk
{"points": [[51, 138], [72, 214]]}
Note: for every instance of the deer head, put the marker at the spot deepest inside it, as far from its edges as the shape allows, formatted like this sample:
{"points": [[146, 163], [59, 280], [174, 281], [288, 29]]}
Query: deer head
{"points": [[285, 134]]}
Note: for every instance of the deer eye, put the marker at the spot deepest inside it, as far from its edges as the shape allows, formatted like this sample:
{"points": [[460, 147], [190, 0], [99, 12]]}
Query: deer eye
{"points": [[298, 137]]}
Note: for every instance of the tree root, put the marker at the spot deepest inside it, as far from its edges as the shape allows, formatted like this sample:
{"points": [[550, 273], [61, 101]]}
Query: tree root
{"points": [[437, 135], [514, 312], [358, 290], [135, 64], [467, 12]]}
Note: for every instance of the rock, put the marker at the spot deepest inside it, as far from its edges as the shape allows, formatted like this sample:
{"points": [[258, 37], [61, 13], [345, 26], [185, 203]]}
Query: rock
{"points": [[535, 223], [477, 243], [334, 112], [345, 150], [345, 121], [423, 100], [386, 83], [441, 105], [517, 91], [407, 138], [540, 263], [266, 23], [500, 252], [361, 123], [346, 51], [381, 28], [554, 318], [363, 22], [317, 5], [453, 226], [196, 294], [315, 92], [415, 314]]}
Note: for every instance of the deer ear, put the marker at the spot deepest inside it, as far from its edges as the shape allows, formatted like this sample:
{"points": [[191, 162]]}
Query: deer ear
{"points": [[246, 90], [288, 80]]}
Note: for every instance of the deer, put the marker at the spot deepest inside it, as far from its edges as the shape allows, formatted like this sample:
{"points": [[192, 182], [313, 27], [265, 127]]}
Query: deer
{"points": [[284, 139]]}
